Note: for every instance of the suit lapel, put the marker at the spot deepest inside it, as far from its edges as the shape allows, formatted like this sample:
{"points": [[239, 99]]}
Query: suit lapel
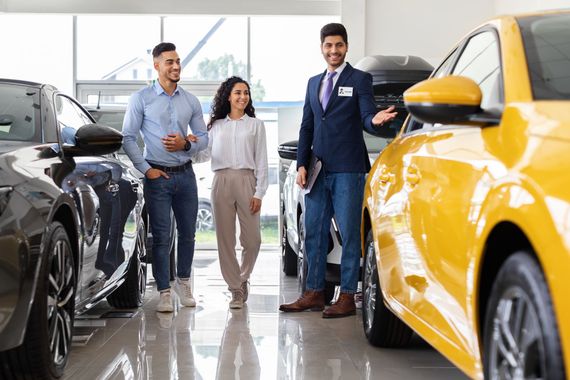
{"points": [[344, 75], [317, 90]]}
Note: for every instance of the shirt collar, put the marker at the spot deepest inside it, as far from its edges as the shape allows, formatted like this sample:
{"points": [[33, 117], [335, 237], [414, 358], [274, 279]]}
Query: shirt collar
{"points": [[339, 69], [159, 90], [244, 117]]}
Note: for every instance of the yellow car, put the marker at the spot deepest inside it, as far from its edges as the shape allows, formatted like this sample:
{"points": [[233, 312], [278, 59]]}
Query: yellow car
{"points": [[466, 214]]}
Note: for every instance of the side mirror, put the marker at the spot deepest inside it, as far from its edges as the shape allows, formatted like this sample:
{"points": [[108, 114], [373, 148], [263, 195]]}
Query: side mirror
{"points": [[288, 150], [95, 139], [447, 100]]}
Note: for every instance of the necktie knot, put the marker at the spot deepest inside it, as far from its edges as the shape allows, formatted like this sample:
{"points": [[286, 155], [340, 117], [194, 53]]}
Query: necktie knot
{"points": [[328, 88]]}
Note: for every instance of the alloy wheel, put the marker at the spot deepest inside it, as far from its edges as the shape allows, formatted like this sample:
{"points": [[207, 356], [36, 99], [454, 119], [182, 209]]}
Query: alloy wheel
{"points": [[205, 219], [369, 286], [517, 345], [60, 302]]}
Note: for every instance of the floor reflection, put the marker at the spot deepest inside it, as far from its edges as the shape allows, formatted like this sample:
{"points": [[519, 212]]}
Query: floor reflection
{"points": [[257, 342]]}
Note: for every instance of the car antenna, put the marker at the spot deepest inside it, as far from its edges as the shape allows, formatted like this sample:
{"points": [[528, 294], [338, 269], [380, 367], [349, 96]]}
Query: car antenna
{"points": [[99, 100]]}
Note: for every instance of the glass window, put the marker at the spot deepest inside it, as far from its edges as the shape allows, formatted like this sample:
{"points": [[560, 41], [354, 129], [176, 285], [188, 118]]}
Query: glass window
{"points": [[115, 47], [19, 113], [480, 61], [38, 48], [282, 63], [69, 118], [441, 71], [211, 48], [547, 45]]}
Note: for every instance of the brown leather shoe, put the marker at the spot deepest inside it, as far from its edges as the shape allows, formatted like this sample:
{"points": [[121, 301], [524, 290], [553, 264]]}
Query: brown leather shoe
{"points": [[343, 307], [315, 301]]}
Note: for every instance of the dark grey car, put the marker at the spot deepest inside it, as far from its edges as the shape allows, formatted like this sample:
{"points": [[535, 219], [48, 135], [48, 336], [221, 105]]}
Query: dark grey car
{"points": [[71, 226]]}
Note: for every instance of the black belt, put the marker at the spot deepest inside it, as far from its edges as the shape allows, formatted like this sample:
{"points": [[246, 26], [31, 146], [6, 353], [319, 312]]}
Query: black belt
{"points": [[172, 169]]}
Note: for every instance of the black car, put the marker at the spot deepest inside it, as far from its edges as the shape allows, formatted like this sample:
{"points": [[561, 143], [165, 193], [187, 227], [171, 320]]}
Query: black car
{"points": [[71, 226]]}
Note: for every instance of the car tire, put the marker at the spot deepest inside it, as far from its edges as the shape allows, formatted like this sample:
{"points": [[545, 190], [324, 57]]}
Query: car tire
{"points": [[205, 218], [381, 327], [35, 358], [289, 256], [172, 253], [130, 293], [302, 267], [520, 313]]}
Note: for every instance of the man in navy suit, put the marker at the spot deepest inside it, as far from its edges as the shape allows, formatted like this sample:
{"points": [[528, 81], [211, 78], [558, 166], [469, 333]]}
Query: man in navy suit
{"points": [[338, 104]]}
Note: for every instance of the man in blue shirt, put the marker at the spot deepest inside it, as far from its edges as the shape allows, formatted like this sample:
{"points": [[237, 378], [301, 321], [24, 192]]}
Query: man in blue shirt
{"points": [[162, 113]]}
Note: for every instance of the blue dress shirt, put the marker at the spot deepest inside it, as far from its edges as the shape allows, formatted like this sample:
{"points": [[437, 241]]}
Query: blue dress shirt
{"points": [[154, 114]]}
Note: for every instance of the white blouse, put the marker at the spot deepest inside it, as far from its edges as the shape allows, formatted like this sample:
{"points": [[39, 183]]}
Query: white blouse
{"points": [[238, 144]]}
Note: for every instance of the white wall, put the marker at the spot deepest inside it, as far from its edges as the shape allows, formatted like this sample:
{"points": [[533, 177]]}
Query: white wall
{"points": [[425, 28], [519, 6], [413, 27]]}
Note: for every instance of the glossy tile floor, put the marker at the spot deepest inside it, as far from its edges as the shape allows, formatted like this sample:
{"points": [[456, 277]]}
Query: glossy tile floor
{"points": [[257, 342]]}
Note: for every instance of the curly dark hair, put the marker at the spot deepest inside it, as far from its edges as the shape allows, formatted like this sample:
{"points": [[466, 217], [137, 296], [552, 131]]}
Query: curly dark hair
{"points": [[221, 106]]}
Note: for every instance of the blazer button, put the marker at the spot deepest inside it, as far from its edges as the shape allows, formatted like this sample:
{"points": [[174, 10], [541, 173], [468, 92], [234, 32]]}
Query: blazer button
{"points": [[323, 118]]}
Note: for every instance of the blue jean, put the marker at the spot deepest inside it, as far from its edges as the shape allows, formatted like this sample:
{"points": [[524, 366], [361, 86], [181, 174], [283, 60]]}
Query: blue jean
{"points": [[338, 194], [178, 193]]}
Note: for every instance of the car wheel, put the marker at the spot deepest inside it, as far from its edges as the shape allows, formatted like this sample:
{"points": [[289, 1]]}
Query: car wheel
{"points": [[521, 333], [205, 219], [301, 262], [131, 292], [289, 256], [381, 327], [45, 350], [172, 252]]}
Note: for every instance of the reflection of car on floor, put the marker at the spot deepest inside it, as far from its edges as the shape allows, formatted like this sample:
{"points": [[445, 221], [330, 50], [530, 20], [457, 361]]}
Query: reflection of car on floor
{"points": [[466, 212], [112, 116], [391, 76], [71, 228]]}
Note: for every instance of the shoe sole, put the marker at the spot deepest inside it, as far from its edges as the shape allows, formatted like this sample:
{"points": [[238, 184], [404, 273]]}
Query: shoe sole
{"points": [[286, 310], [236, 306], [327, 316], [165, 309], [188, 304]]}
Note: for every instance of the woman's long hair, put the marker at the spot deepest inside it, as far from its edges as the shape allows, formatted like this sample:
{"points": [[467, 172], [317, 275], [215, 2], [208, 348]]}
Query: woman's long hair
{"points": [[221, 106]]}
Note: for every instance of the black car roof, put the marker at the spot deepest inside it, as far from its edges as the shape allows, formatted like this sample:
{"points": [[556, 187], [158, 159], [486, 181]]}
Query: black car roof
{"points": [[27, 83]]}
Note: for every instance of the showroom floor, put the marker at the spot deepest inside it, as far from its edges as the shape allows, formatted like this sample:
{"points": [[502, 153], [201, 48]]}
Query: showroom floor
{"points": [[257, 342]]}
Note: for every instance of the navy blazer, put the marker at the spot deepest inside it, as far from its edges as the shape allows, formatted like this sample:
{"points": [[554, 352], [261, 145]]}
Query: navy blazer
{"points": [[335, 134]]}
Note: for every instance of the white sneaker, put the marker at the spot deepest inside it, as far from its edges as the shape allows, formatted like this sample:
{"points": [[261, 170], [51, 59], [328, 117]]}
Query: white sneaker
{"points": [[237, 299], [165, 302], [184, 291], [165, 320], [245, 290]]}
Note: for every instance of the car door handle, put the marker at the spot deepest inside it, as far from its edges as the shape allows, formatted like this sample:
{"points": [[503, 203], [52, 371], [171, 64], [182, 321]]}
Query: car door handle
{"points": [[413, 175]]}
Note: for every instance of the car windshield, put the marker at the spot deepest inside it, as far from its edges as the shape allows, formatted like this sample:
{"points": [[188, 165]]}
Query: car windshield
{"points": [[547, 45], [18, 112]]}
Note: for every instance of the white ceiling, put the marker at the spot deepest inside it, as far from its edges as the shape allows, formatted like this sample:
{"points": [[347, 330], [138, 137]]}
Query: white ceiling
{"points": [[166, 7]]}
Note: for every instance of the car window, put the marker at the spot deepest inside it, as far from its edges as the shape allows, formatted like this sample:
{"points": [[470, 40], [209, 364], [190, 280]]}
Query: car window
{"points": [[480, 61], [273, 177], [548, 54], [441, 71], [69, 118], [19, 113]]}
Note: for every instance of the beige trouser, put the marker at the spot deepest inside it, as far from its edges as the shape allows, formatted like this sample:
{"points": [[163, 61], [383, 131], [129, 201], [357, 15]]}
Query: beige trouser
{"points": [[232, 190]]}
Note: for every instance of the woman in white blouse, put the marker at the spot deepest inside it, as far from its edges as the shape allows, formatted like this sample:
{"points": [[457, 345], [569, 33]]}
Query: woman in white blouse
{"points": [[239, 160]]}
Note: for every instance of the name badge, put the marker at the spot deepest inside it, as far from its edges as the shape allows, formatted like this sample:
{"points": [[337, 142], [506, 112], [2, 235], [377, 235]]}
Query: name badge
{"points": [[345, 91]]}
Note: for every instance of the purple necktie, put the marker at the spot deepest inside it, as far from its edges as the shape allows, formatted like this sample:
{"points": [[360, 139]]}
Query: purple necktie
{"points": [[328, 89]]}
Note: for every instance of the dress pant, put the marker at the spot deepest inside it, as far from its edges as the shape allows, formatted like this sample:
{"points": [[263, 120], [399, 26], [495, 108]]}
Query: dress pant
{"points": [[232, 190]]}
